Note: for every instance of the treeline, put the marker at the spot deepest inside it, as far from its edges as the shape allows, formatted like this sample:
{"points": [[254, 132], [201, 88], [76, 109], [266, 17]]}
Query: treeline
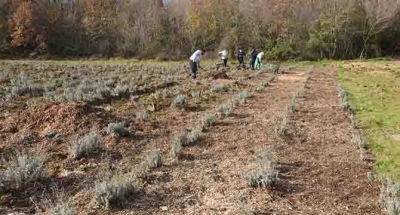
{"points": [[284, 29]]}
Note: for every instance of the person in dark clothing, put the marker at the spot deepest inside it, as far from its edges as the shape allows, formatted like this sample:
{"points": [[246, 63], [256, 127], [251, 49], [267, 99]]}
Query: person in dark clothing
{"points": [[240, 57], [253, 57]]}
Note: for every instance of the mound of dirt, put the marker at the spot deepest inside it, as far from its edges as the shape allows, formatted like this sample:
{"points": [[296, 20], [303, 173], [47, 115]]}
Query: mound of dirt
{"points": [[56, 118], [219, 74]]}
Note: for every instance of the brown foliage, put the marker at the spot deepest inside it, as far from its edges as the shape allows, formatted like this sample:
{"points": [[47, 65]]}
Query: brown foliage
{"points": [[284, 29], [28, 26]]}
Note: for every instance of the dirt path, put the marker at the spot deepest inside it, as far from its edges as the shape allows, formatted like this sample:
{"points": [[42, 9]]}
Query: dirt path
{"points": [[322, 166]]}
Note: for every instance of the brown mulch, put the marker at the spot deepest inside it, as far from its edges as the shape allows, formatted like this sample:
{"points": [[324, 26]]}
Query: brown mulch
{"points": [[320, 170], [321, 164]]}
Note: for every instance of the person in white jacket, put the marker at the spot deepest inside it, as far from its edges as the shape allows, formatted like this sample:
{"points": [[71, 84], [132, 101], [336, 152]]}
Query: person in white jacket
{"points": [[224, 57], [194, 62], [259, 60]]}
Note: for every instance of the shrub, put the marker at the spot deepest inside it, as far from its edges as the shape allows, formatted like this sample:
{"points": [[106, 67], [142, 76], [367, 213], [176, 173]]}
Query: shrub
{"points": [[27, 90], [19, 91], [359, 141], [262, 86], [86, 145], [209, 120], [393, 208], [24, 169], [226, 109], [233, 101], [243, 96], [354, 122], [117, 129], [194, 136], [113, 191], [292, 106], [343, 97], [119, 91], [219, 88], [167, 81], [183, 138], [266, 176], [176, 148], [389, 196], [179, 102], [272, 68], [282, 129], [196, 94], [262, 179], [142, 116], [154, 159], [272, 79]]}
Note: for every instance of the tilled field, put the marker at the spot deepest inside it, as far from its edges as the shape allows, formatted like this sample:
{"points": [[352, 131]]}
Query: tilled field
{"points": [[140, 139]]}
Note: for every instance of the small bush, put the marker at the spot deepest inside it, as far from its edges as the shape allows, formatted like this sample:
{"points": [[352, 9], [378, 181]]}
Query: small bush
{"points": [[359, 141], [27, 91], [85, 146], [226, 109], [194, 136], [142, 116], [167, 81], [266, 176], [120, 91], [272, 68], [389, 196], [282, 129], [209, 120], [196, 94], [272, 79], [183, 138], [112, 191], [262, 86], [243, 96], [176, 148], [154, 159], [179, 102], [393, 208], [262, 179], [24, 169], [292, 106], [343, 97], [117, 129], [354, 122], [219, 88]]}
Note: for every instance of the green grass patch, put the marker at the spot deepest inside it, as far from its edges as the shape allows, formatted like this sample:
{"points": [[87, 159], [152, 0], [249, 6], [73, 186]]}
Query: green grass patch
{"points": [[375, 95]]}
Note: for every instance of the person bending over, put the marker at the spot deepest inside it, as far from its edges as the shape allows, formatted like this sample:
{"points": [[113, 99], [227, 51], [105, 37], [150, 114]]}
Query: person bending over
{"points": [[194, 62]]}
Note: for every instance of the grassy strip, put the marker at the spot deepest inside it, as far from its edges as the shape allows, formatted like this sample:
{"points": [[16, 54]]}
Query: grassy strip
{"points": [[374, 93]]}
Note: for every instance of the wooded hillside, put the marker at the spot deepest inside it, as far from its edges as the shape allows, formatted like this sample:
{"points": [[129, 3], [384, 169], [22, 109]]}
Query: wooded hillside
{"points": [[284, 29]]}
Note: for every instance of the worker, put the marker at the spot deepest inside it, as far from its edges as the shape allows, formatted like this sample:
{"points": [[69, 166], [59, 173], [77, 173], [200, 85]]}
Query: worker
{"points": [[224, 57], [253, 57], [194, 62], [259, 60], [240, 57]]}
